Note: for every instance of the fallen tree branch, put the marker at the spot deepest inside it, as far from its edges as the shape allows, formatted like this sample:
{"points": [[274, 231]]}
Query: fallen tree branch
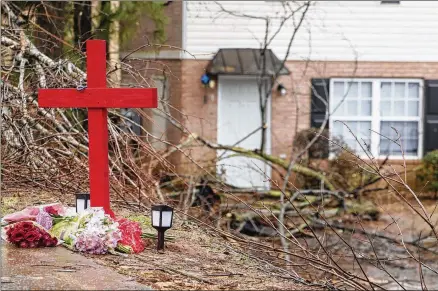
{"points": [[268, 158]]}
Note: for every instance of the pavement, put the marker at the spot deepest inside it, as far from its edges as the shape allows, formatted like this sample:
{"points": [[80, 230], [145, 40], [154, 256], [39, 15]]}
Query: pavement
{"points": [[58, 269]]}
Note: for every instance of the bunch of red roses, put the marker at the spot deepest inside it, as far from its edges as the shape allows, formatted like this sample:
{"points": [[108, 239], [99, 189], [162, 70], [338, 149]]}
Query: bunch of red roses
{"points": [[27, 234]]}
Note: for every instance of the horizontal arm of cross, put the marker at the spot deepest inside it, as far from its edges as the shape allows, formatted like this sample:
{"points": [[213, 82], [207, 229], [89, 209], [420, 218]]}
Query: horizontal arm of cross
{"points": [[98, 98]]}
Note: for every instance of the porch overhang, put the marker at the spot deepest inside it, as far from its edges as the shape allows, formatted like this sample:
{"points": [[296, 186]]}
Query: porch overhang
{"points": [[246, 62]]}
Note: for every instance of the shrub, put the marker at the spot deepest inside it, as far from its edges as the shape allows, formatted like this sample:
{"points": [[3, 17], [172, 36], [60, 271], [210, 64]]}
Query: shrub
{"points": [[341, 169], [319, 149], [428, 172]]}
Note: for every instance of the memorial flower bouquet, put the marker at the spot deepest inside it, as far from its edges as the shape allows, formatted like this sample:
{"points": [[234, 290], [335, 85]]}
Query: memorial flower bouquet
{"points": [[28, 234], [32, 212], [92, 232], [131, 241]]}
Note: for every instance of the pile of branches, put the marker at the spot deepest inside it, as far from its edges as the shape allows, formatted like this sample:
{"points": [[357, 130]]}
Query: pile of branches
{"points": [[49, 147]]}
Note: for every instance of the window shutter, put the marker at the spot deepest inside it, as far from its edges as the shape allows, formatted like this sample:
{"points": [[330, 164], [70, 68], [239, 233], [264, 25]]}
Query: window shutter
{"points": [[320, 88], [431, 116]]}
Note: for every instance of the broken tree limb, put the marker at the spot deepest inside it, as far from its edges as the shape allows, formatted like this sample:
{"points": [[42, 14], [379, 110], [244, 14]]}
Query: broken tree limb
{"points": [[317, 223], [268, 158], [311, 192]]}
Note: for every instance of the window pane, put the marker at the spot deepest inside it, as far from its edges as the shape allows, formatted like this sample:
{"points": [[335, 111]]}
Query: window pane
{"points": [[351, 143], [337, 129], [385, 129], [411, 146], [360, 129], [411, 130], [366, 89], [384, 146], [408, 131], [364, 128], [364, 136], [394, 149], [414, 90], [338, 91], [399, 90], [365, 108], [385, 108], [413, 108], [352, 89], [385, 90], [399, 108], [352, 125], [351, 108], [338, 107]]}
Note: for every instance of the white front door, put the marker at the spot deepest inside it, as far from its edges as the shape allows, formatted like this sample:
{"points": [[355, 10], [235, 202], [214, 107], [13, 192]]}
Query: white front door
{"points": [[239, 116]]}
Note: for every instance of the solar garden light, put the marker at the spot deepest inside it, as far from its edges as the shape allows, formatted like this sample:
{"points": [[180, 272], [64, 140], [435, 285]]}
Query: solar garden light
{"points": [[162, 216], [82, 202]]}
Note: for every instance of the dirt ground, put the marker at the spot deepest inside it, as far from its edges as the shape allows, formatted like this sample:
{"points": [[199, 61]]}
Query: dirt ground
{"points": [[197, 259]]}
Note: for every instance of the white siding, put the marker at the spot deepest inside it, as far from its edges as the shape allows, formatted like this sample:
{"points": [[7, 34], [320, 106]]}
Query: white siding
{"points": [[332, 30]]}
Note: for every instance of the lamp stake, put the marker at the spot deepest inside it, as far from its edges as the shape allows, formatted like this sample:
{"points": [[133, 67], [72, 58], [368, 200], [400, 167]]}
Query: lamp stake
{"points": [[160, 244]]}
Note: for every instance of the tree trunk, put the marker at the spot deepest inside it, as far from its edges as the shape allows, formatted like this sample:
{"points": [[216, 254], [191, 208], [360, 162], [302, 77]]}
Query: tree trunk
{"points": [[114, 47]]}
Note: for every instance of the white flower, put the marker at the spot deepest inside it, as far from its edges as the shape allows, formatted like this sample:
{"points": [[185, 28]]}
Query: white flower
{"points": [[99, 234]]}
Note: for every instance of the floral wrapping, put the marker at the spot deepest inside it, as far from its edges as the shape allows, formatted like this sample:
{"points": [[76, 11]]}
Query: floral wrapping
{"points": [[31, 212]]}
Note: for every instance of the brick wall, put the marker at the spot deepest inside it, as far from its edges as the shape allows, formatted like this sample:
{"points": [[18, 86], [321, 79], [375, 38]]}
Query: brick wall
{"points": [[290, 112], [199, 108]]}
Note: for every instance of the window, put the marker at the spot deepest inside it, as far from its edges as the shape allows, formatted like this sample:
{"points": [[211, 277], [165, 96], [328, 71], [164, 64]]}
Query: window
{"points": [[369, 107]]}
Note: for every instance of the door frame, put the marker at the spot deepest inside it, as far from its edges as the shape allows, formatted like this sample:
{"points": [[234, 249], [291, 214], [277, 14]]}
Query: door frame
{"points": [[268, 146]]}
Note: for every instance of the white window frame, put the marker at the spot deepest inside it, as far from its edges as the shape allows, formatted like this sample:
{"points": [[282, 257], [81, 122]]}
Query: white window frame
{"points": [[375, 114]]}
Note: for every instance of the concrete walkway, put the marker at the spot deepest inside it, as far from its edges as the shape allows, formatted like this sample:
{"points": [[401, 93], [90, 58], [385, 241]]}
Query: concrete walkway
{"points": [[57, 269]]}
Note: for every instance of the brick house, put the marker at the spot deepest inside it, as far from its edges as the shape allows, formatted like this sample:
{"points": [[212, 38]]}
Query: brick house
{"points": [[379, 57]]}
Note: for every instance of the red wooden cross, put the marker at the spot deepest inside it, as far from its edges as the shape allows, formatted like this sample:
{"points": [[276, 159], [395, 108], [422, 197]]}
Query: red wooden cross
{"points": [[97, 98]]}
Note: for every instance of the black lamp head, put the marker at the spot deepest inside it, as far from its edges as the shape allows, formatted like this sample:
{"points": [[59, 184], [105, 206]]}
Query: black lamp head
{"points": [[162, 216], [82, 201]]}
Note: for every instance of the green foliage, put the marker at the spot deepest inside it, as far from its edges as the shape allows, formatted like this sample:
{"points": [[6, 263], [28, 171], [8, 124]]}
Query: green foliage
{"points": [[130, 13], [145, 221], [428, 171]]}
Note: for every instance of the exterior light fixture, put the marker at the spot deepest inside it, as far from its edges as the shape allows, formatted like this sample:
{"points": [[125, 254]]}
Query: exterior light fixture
{"points": [[82, 202], [281, 89], [162, 216], [205, 79]]}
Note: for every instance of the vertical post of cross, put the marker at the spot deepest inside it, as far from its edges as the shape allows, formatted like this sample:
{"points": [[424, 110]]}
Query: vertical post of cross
{"points": [[98, 128]]}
